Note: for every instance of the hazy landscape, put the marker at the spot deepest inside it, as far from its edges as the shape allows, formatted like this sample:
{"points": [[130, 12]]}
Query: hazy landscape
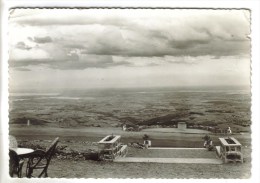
{"points": [[82, 118], [144, 107]]}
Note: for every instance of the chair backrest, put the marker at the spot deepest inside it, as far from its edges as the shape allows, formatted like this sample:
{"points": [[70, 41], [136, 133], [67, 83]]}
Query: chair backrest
{"points": [[12, 142], [51, 149], [13, 162], [41, 156]]}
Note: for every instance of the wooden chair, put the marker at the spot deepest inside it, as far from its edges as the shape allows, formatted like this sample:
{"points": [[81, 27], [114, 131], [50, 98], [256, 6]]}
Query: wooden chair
{"points": [[40, 160], [15, 164]]}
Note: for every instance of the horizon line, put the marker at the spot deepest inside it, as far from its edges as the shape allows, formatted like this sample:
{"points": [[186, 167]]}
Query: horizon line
{"points": [[228, 87]]}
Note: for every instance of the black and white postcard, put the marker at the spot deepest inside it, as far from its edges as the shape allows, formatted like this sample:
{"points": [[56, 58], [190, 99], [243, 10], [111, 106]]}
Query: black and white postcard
{"points": [[145, 93]]}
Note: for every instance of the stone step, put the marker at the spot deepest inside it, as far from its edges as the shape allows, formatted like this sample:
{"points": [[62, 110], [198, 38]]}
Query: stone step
{"points": [[170, 160]]}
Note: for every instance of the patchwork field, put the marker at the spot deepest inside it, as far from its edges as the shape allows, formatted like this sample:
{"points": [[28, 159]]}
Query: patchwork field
{"points": [[145, 108]]}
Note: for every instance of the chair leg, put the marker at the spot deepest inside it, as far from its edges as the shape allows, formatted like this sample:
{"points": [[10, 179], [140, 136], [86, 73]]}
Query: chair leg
{"points": [[29, 172], [20, 168], [40, 174], [11, 173], [12, 169], [19, 173], [43, 173]]}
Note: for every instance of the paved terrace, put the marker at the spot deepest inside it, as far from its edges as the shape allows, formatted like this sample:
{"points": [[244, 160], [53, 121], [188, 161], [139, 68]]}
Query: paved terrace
{"points": [[171, 155], [170, 160]]}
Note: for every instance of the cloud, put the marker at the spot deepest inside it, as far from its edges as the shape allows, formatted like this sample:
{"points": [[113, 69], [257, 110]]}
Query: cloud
{"points": [[61, 17], [72, 62], [157, 61], [187, 44], [27, 52], [41, 40], [92, 38], [166, 39], [161, 48], [83, 65], [22, 46], [22, 69], [29, 62], [74, 46]]}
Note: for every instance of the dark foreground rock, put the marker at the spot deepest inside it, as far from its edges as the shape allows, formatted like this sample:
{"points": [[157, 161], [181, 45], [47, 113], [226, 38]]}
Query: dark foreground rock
{"points": [[62, 151]]}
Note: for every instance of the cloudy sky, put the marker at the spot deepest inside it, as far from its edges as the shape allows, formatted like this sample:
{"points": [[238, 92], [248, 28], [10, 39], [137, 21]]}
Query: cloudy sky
{"points": [[94, 48]]}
